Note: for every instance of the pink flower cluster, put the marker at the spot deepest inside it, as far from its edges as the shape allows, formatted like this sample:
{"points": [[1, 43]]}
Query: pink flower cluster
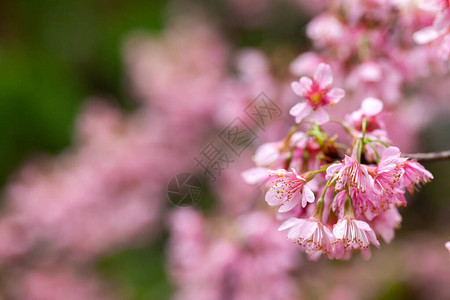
{"points": [[336, 198], [373, 45], [439, 32], [222, 258]]}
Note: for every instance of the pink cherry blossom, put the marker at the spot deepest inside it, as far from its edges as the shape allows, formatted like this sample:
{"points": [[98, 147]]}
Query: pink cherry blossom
{"points": [[376, 78], [439, 32], [387, 181], [305, 64], [312, 235], [415, 175], [60, 282], [267, 154], [386, 222], [255, 175], [326, 29], [350, 173], [370, 110], [288, 190], [352, 234], [318, 94], [213, 258]]}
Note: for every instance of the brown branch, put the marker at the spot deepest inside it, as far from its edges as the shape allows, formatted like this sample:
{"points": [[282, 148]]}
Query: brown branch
{"points": [[429, 157]]}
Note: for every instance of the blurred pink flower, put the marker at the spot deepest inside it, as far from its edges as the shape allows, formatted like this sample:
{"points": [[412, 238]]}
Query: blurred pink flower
{"points": [[96, 197], [439, 32], [370, 110], [59, 282], [232, 259]]}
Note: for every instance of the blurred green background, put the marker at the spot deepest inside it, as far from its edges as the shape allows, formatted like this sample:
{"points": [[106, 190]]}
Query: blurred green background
{"points": [[53, 55]]}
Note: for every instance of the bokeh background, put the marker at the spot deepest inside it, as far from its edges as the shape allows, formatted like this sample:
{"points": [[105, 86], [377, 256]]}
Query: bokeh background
{"points": [[102, 102]]}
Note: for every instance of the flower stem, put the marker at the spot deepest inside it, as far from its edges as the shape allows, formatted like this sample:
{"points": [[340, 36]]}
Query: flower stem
{"points": [[288, 138], [345, 126], [318, 211], [376, 152], [381, 142], [363, 138], [348, 207]]}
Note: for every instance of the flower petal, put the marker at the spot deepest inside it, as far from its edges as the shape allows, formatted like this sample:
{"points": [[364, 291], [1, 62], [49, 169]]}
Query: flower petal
{"points": [[371, 106], [304, 230], [307, 196], [267, 154], [255, 175], [425, 35], [323, 75], [302, 86], [335, 95], [442, 20], [320, 116], [273, 196], [290, 223], [290, 203], [300, 111], [340, 228]]}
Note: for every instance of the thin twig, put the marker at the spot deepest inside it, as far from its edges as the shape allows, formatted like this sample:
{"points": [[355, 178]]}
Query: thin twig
{"points": [[428, 157]]}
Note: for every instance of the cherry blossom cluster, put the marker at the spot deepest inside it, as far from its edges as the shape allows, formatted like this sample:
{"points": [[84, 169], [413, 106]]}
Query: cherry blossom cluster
{"points": [[335, 197], [377, 48], [438, 33], [236, 257]]}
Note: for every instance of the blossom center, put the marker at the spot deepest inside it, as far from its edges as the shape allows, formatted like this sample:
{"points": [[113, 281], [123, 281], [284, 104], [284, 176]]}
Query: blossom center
{"points": [[316, 96]]}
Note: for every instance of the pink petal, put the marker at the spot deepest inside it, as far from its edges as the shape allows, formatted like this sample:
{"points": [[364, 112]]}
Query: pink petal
{"points": [[366, 253], [305, 63], [447, 245], [340, 228], [442, 20], [307, 196], [362, 225], [299, 139], [373, 238], [273, 197], [425, 35], [320, 116], [255, 175], [390, 155], [323, 75], [302, 86], [290, 204], [314, 255], [371, 106], [331, 170], [335, 95], [305, 230], [300, 111], [297, 108], [266, 154], [429, 6], [370, 71], [290, 223]]}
